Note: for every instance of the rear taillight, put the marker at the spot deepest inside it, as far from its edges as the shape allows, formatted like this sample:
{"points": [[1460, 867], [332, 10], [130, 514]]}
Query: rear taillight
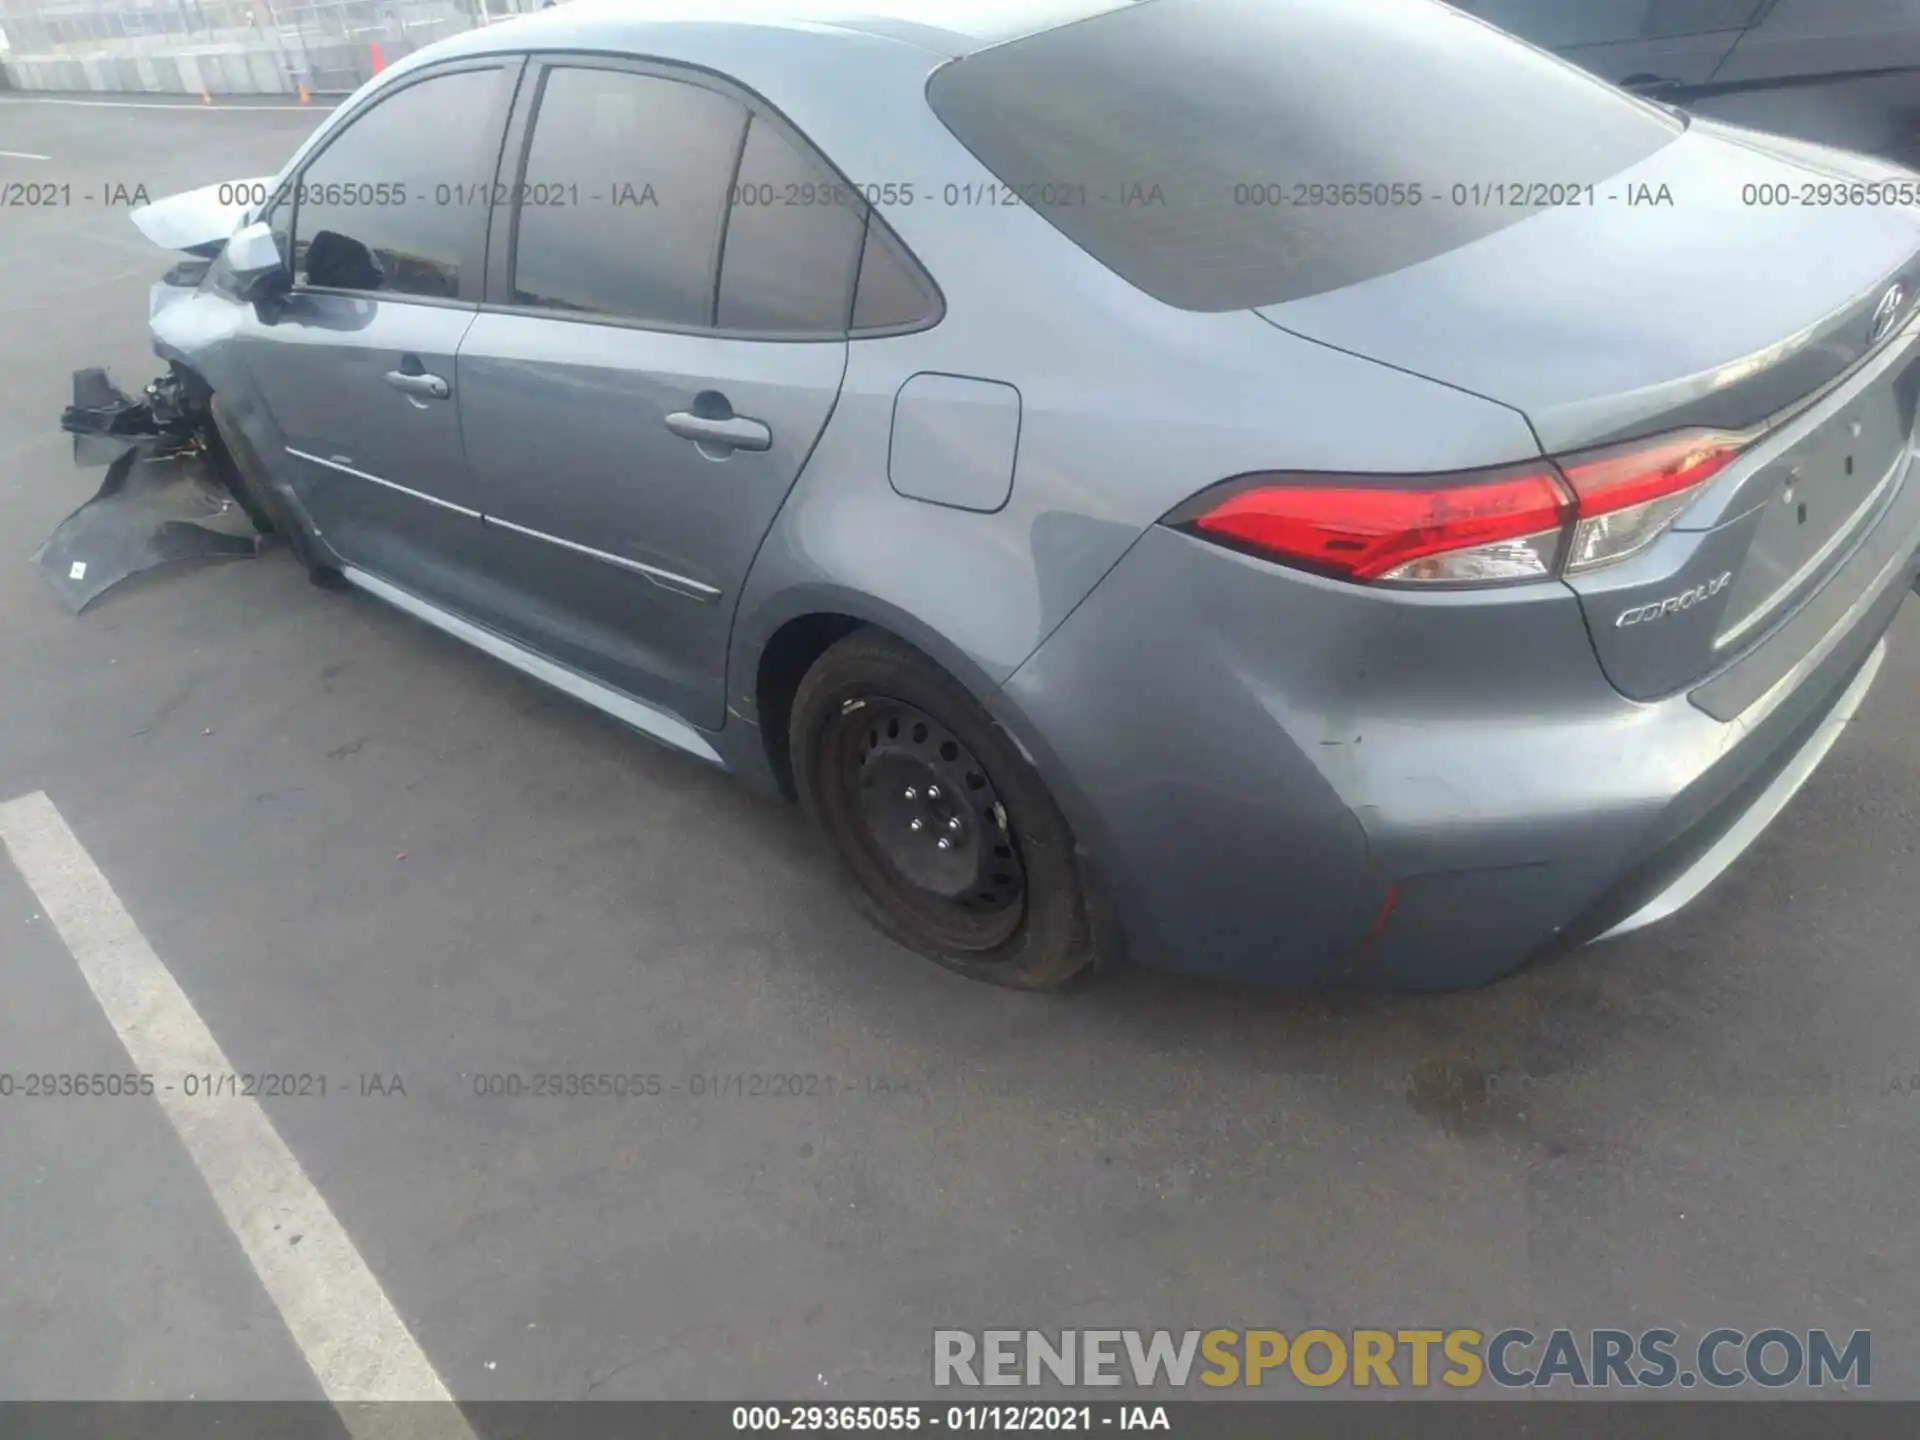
{"points": [[1629, 495], [1527, 522], [1499, 526]]}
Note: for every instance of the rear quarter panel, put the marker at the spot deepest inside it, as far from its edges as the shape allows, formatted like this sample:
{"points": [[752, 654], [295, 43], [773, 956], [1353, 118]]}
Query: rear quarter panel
{"points": [[1122, 417], [1127, 405]]}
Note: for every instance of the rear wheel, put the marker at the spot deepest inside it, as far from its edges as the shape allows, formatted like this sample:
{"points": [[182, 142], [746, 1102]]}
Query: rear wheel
{"points": [[957, 849]]}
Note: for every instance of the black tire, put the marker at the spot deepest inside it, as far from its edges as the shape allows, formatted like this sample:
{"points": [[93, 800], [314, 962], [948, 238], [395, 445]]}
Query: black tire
{"points": [[1004, 899]]}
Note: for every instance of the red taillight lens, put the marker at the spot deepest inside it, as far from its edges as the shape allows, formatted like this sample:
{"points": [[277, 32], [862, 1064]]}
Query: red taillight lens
{"points": [[1371, 532], [1608, 480], [1523, 522], [1630, 494]]}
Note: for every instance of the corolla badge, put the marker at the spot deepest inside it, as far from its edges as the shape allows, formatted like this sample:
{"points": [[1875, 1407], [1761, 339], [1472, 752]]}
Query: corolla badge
{"points": [[1887, 312], [1674, 604]]}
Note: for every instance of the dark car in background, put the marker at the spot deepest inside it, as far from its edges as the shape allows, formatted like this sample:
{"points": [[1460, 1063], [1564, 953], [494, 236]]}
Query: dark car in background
{"points": [[1840, 72]]}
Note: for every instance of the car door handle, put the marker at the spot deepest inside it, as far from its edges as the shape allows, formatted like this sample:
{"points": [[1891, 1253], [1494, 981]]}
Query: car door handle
{"points": [[740, 432], [431, 385]]}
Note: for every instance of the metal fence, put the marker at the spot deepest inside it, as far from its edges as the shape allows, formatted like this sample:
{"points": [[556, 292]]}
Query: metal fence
{"points": [[223, 47]]}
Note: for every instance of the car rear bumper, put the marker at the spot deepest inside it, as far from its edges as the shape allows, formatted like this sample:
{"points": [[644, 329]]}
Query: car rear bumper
{"points": [[1803, 715], [1289, 780], [1745, 824]]}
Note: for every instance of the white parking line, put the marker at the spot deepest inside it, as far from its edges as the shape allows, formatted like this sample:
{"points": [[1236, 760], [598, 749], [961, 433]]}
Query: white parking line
{"points": [[23, 155], [359, 1348]]}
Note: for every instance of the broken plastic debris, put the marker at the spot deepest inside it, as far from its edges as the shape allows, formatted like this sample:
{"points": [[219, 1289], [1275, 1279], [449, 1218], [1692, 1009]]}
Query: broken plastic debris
{"points": [[160, 503], [103, 418], [147, 514]]}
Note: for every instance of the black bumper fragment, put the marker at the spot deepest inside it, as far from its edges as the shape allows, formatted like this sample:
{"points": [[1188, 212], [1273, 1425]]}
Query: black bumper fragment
{"points": [[163, 501]]}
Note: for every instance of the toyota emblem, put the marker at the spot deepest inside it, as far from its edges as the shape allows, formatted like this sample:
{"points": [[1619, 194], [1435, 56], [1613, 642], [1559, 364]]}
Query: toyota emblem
{"points": [[1887, 312]]}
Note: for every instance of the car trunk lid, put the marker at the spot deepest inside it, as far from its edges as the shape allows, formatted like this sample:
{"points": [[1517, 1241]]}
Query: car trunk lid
{"points": [[1676, 292], [1678, 296], [1814, 488]]}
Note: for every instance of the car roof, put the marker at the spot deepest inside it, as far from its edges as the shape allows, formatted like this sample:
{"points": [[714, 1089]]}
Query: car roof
{"points": [[949, 28]]}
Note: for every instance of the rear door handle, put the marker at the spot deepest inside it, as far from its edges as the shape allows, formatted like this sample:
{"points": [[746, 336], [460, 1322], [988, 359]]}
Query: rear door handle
{"points": [[1653, 87], [430, 385], [737, 432]]}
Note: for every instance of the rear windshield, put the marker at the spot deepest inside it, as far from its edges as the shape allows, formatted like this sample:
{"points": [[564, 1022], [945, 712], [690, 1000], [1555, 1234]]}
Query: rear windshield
{"points": [[1221, 154]]}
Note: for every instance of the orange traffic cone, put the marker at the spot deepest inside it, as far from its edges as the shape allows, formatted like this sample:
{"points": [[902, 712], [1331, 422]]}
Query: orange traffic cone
{"points": [[379, 61], [304, 97]]}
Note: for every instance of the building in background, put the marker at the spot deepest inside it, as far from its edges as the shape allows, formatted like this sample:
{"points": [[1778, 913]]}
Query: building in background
{"points": [[224, 47]]}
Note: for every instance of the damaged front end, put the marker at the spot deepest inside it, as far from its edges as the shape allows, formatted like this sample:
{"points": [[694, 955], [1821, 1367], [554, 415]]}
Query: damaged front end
{"points": [[170, 495]]}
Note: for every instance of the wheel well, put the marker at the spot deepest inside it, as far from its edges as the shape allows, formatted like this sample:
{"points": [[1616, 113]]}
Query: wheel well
{"points": [[227, 464], [198, 390], [784, 662]]}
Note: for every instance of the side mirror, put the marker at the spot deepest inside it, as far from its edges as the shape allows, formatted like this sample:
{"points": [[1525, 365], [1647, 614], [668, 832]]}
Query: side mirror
{"points": [[253, 257]]}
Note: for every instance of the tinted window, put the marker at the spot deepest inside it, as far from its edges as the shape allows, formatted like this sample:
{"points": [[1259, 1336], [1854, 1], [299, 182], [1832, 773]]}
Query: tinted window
{"points": [[1697, 17], [1174, 141], [624, 196], [793, 240], [369, 212], [1607, 22], [1843, 17], [893, 292]]}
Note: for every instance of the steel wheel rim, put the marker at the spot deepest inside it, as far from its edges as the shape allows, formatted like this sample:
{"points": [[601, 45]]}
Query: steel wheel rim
{"points": [[926, 811]]}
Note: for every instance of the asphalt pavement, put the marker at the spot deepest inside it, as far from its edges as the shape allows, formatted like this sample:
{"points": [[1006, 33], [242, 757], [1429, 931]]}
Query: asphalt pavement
{"points": [[363, 851]]}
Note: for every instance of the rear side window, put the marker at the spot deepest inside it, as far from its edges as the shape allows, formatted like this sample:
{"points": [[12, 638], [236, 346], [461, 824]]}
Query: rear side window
{"points": [[371, 212], [665, 202], [793, 241], [1221, 154], [1890, 18], [625, 195], [894, 293]]}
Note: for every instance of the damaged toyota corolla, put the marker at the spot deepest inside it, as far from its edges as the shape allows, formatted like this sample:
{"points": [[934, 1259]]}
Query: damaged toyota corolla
{"points": [[1316, 492]]}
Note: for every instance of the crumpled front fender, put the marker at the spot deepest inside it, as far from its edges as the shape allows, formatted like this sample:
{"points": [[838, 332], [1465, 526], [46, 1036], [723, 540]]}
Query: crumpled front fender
{"points": [[170, 494], [196, 329]]}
